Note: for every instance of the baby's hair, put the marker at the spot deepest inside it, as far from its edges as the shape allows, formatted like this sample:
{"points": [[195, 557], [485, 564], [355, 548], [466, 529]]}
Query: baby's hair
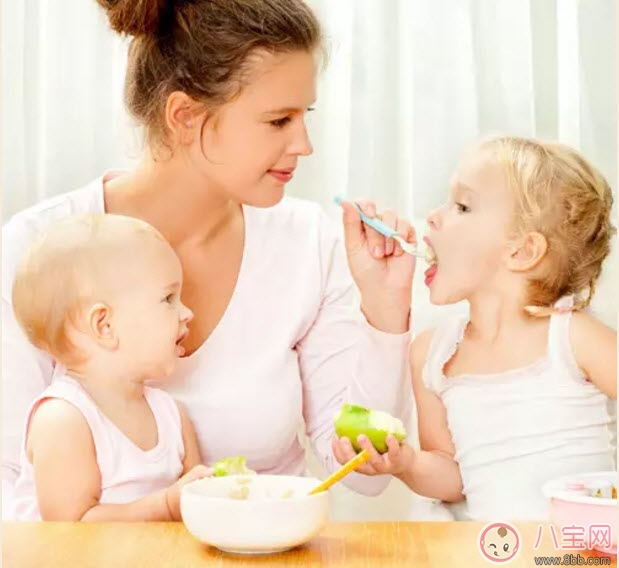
{"points": [[564, 198], [502, 532], [64, 270], [202, 48]]}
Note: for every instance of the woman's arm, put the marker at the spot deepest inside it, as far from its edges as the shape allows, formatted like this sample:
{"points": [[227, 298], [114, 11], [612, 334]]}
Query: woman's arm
{"points": [[26, 372], [343, 358], [595, 351]]}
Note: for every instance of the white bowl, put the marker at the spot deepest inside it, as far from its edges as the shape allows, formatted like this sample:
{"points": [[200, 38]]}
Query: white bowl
{"points": [[277, 513]]}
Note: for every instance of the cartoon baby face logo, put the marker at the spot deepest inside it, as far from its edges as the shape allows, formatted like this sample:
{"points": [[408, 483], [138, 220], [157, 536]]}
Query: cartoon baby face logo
{"points": [[499, 543]]}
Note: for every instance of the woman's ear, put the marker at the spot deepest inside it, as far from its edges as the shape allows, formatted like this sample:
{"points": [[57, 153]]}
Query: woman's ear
{"points": [[100, 326], [180, 117], [527, 252]]}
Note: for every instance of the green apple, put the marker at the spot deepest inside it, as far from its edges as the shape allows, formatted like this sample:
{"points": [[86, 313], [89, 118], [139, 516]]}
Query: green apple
{"points": [[353, 420], [231, 466]]}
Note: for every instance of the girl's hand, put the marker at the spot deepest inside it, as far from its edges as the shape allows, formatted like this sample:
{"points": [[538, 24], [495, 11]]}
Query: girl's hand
{"points": [[173, 493], [382, 271], [395, 461]]}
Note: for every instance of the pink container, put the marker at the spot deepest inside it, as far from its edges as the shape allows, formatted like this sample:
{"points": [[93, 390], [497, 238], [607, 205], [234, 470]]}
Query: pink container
{"points": [[568, 507]]}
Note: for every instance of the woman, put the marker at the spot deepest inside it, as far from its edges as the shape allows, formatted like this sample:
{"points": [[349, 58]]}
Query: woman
{"points": [[221, 88]]}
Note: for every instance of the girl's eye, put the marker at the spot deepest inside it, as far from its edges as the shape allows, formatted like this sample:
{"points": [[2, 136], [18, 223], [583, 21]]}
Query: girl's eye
{"points": [[462, 208], [280, 122]]}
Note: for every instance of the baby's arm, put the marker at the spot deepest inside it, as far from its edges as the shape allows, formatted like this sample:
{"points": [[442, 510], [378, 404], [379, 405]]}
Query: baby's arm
{"points": [[595, 351], [68, 482], [432, 471], [190, 441]]}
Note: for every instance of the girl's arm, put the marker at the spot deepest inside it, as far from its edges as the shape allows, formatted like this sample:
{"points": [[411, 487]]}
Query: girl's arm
{"points": [[595, 350], [432, 471], [68, 483]]}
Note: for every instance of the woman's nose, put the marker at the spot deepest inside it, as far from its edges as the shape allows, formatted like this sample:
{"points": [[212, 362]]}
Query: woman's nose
{"points": [[301, 145]]}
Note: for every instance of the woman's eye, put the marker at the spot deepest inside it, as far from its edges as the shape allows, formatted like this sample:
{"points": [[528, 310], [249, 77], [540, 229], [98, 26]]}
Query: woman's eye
{"points": [[281, 122], [462, 208]]}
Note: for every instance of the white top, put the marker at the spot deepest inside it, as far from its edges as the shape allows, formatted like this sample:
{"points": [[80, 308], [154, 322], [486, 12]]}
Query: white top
{"points": [[127, 472], [291, 347], [515, 430]]}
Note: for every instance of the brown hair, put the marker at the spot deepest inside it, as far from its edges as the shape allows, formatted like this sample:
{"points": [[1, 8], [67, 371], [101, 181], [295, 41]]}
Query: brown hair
{"points": [[201, 47], [563, 197]]}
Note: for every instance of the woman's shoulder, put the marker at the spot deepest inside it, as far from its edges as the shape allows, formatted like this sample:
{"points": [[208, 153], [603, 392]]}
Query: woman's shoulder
{"points": [[88, 198], [22, 227]]}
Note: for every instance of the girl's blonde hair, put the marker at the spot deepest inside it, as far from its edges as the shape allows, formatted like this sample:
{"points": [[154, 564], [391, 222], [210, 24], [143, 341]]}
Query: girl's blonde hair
{"points": [[563, 197], [67, 268]]}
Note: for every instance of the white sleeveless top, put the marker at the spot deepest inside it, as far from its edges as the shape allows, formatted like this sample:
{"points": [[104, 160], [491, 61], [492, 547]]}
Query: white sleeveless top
{"points": [[515, 430], [127, 472]]}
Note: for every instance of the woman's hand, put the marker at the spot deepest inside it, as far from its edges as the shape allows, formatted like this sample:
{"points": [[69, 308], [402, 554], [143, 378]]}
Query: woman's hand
{"points": [[396, 461], [173, 493], [382, 270]]}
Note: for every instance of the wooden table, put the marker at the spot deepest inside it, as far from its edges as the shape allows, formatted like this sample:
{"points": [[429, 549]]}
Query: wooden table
{"points": [[371, 545]]}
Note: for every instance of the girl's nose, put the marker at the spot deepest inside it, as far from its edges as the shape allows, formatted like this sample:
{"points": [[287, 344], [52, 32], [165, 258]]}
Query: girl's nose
{"points": [[433, 218]]}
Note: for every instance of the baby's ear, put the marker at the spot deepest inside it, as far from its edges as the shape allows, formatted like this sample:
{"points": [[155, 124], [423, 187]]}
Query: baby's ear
{"points": [[100, 325], [526, 252]]}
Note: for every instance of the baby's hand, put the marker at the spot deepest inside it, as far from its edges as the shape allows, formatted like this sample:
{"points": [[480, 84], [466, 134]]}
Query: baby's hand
{"points": [[395, 461], [173, 493]]}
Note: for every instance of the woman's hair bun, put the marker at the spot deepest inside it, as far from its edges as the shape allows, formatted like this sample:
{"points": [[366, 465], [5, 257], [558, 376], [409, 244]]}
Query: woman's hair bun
{"points": [[137, 17]]}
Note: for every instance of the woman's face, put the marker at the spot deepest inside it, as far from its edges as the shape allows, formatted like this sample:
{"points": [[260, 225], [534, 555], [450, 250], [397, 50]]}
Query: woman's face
{"points": [[251, 146]]}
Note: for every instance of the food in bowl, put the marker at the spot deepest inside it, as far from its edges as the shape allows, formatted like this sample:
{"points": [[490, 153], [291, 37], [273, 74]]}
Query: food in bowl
{"points": [[254, 514], [353, 420], [246, 489], [584, 500]]}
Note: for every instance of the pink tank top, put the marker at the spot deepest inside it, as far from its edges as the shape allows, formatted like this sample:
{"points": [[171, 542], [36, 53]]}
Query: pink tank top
{"points": [[127, 472]]}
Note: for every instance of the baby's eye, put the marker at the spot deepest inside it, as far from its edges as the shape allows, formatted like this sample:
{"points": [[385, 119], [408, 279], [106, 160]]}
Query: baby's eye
{"points": [[506, 547], [462, 208], [169, 298]]}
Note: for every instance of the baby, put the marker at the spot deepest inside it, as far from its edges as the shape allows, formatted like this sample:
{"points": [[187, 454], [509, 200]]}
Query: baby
{"points": [[101, 294], [521, 390]]}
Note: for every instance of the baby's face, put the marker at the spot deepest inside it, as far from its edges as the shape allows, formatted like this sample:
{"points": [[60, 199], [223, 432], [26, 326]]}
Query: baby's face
{"points": [[149, 317], [469, 233]]}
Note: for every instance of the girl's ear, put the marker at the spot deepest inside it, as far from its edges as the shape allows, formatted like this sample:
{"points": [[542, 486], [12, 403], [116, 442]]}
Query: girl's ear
{"points": [[527, 252]]}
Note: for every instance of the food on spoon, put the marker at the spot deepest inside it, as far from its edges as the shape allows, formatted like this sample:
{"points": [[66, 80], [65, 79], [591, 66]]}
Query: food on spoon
{"points": [[231, 466], [353, 420], [430, 255]]}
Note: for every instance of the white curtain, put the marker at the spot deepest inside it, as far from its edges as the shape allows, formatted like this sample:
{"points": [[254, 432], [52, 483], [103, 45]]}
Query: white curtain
{"points": [[412, 82], [409, 84]]}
